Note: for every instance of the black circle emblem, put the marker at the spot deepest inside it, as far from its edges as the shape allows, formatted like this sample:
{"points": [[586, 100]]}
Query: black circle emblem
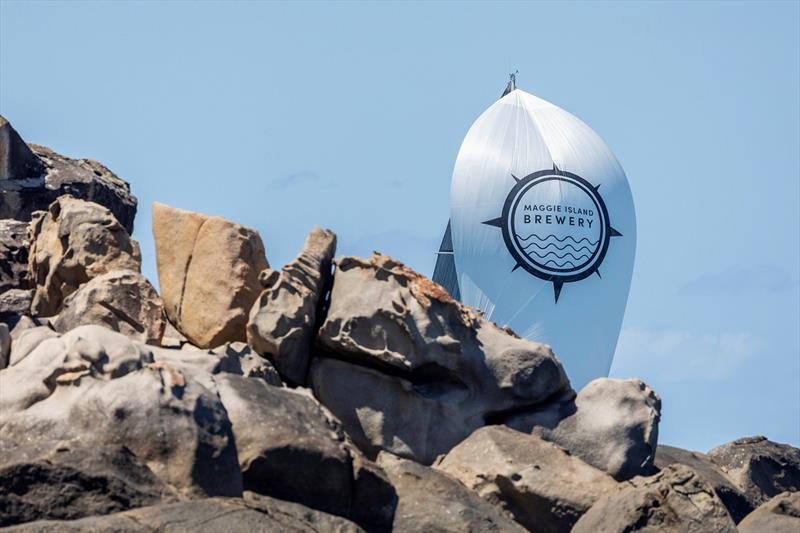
{"points": [[556, 226]]}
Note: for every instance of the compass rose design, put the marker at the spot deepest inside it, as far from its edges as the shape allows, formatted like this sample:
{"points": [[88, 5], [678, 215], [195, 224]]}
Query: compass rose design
{"points": [[555, 225]]}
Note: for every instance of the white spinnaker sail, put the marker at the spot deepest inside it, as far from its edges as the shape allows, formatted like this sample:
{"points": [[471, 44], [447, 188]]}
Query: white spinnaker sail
{"points": [[544, 230]]}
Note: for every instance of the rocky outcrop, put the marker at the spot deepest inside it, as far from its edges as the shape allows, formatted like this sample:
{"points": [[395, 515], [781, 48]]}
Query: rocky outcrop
{"points": [[429, 500], [541, 485], [15, 304], [26, 340], [72, 243], [611, 424], [759, 467], [283, 319], [781, 514], [675, 500], [14, 247], [96, 387], [251, 514], [32, 177], [409, 370], [238, 358], [208, 271], [735, 501], [122, 300]]}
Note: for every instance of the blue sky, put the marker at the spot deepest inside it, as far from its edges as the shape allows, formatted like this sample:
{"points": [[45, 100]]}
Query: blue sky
{"points": [[350, 115]]}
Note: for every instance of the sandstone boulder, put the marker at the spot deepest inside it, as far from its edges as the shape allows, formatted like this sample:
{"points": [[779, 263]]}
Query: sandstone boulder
{"points": [[97, 387], [541, 485], [409, 370], [759, 467], [676, 500], [612, 424], [14, 248], [208, 272], [122, 300], [72, 243], [734, 499], [781, 514], [429, 500], [283, 320], [251, 514], [32, 177]]}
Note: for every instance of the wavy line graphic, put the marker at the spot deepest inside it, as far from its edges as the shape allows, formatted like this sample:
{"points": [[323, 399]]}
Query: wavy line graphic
{"points": [[551, 236], [557, 247], [576, 258], [560, 265]]}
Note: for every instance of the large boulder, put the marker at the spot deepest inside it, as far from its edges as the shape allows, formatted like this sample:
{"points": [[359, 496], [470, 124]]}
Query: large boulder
{"points": [[781, 514], [122, 300], [283, 320], [541, 485], [72, 243], [251, 514], [208, 272], [735, 501], [32, 177], [26, 340], [429, 500], [93, 387], [759, 467], [288, 448], [676, 500], [409, 370], [14, 247], [612, 424]]}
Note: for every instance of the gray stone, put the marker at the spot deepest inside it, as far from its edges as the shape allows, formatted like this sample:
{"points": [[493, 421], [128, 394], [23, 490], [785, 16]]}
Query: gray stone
{"points": [[781, 514], [239, 358], [74, 242], [288, 448], [102, 388], [25, 341], [676, 500], [122, 300], [429, 500], [759, 467], [612, 424], [14, 247], [734, 499], [422, 370], [32, 177], [172, 338], [541, 485], [208, 271], [374, 498], [284, 317], [15, 304], [5, 345], [67, 480], [252, 514]]}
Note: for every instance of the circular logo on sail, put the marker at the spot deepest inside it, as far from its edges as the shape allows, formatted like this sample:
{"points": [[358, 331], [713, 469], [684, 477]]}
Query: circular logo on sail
{"points": [[556, 226]]}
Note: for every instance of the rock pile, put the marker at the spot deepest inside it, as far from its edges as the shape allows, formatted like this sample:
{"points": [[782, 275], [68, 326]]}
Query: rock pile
{"points": [[337, 394]]}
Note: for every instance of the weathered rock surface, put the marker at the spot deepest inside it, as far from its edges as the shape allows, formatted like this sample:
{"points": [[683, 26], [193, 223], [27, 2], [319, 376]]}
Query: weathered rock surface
{"points": [[423, 371], [781, 514], [64, 480], [14, 247], [429, 500], [208, 272], [759, 467], [541, 485], [240, 359], [72, 243], [283, 319], [15, 304], [612, 424], [374, 498], [5, 345], [288, 448], [122, 300], [32, 177], [675, 500], [734, 499], [98, 387], [25, 341], [251, 514]]}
